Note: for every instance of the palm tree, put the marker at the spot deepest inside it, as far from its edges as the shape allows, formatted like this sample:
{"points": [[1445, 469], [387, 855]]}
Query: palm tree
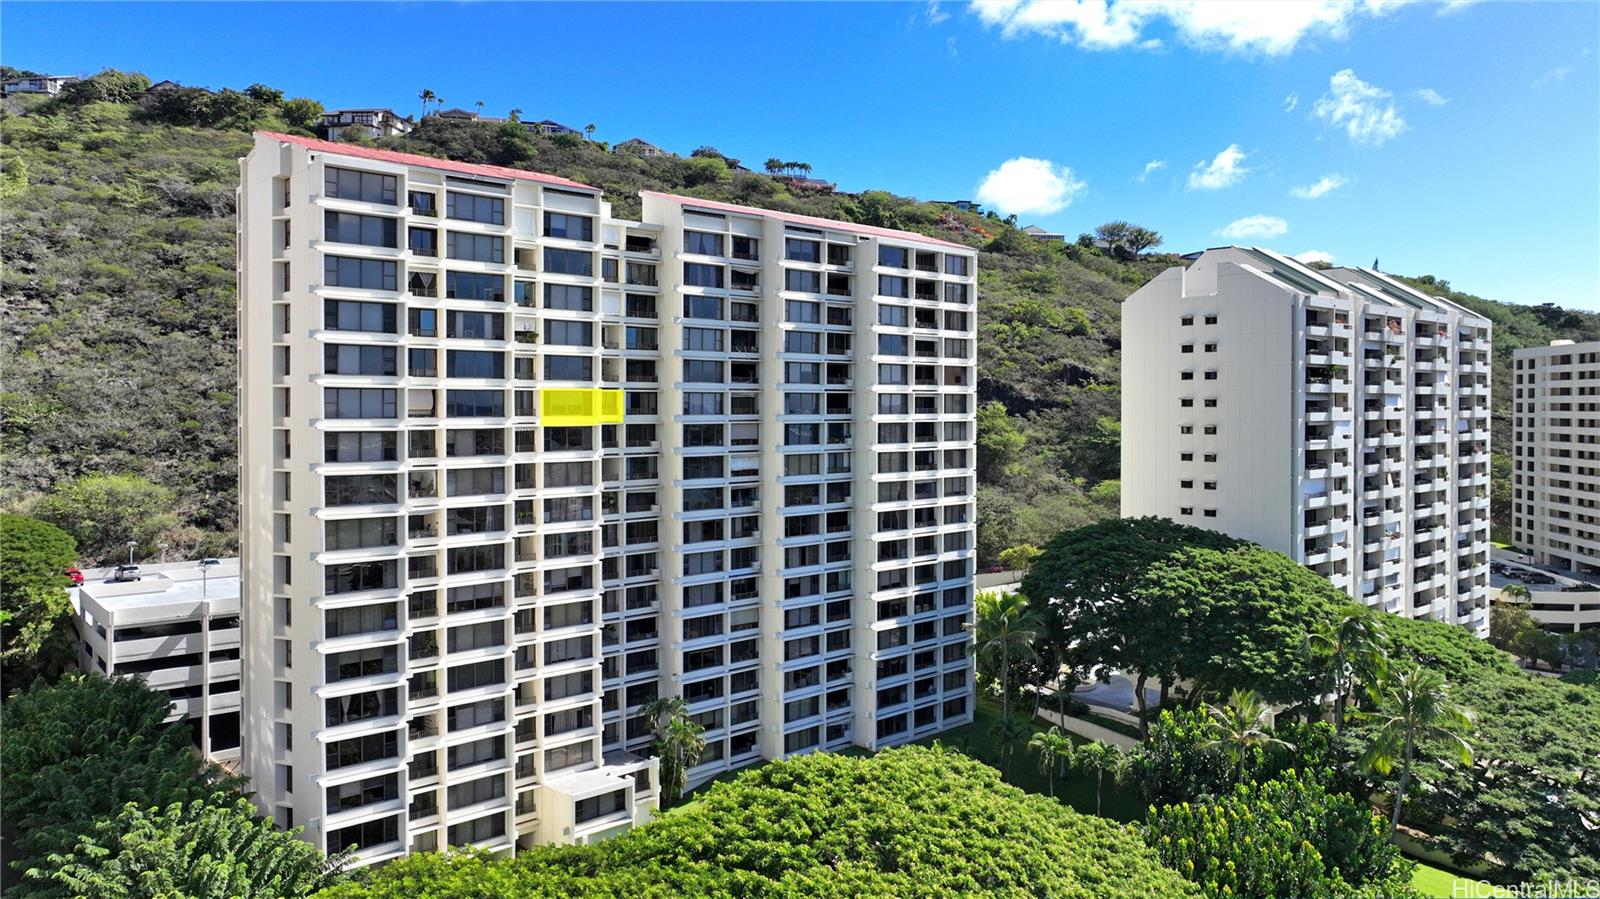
{"points": [[588, 132], [479, 104], [774, 165], [1102, 759], [1055, 750], [1415, 709], [804, 167], [1353, 650], [516, 114], [1007, 734], [1516, 591], [1004, 630], [427, 96], [1241, 725], [679, 743]]}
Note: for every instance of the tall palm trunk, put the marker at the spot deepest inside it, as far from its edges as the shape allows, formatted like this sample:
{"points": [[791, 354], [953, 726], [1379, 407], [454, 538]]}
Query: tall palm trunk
{"points": [[1138, 698], [1400, 788]]}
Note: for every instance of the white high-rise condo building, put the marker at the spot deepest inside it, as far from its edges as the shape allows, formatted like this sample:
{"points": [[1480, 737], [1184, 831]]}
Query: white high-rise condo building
{"points": [[513, 467], [1338, 416], [1555, 511]]}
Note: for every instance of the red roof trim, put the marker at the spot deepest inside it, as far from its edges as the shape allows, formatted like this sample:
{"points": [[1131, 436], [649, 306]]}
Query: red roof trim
{"points": [[808, 220], [429, 162]]}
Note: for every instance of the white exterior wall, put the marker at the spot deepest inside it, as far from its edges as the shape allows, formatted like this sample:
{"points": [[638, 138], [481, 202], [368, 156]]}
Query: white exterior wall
{"points": [[397, 793], [1341, 437], [1556, 455]]}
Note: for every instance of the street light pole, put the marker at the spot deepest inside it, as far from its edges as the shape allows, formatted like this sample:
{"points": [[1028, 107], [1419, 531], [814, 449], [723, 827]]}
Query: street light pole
{"points": [[132, 545]]}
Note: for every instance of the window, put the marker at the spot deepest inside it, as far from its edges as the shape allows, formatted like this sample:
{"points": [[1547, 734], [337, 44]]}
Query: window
{"points": [[802, 312], [477, 674], [571, 227], [476, 364], [477, 752], [802, 250], [568, 368], [361, 707], [366, 274], [357, 402], [702, 243], [355, 577], [475, 481], [1186, 321], [702, 340], [475, 325], [475, 403], [359, 750], [359, 533], [474, 286], [357, 663], [702, 307], [352, 359], [424, 202], [893, 316], [359, 446], [891, 286], [422, 363], [698, 274], [1186, 348], [473, 208], [368, 230], [366, 187], [802, 281], [955, 265], [471, 793], [348, 315], [1211, 348], [568, 262], [568, 296], [893, 257], [565, 333], [475, 247], [359, 489]]}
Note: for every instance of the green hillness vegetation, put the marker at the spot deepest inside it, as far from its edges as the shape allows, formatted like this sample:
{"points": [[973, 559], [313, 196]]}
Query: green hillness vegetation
{"points": [[120, 288]]}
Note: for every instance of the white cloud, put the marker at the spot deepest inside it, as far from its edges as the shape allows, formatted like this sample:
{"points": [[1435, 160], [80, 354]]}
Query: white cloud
{"points": [[933, 15], [1366, 113], [1026, 185], [1451, 7], [1151, 167], [1430, 96], [1255, 226], [1290, 102], [1225, 170], [1559, 73], [1310, 256], [1325, 185], [1240, 26]]}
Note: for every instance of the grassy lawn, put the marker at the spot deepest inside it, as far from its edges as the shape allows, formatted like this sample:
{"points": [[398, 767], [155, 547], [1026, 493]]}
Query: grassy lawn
{"points": [[1075, 789], [1435, 882]]}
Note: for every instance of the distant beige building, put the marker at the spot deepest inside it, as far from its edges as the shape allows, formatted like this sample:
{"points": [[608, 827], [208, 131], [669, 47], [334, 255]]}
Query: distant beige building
{"points": [[1338, 416], [1555, 512]]}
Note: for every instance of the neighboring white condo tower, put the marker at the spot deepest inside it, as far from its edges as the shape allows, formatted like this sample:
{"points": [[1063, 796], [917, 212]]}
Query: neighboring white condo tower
{"points": [[1338, 416], [1555, 502], [512, 467]]}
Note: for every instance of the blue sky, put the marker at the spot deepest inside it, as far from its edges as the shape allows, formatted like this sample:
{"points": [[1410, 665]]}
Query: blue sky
{"points": [[1460, 139]]}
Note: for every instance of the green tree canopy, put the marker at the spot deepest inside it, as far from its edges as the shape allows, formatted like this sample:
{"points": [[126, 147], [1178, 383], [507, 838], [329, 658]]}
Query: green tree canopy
{"points": [[1285, 837], [999, 441], [905, 822], [1084, 584], [1238, 619], [105, 511], [77, 751], [211, 849], [35, 616], [1531, 800]]}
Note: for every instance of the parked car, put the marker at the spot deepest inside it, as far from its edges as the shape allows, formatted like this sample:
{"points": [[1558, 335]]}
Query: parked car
{"points": [[75, 576], [125, 574]]}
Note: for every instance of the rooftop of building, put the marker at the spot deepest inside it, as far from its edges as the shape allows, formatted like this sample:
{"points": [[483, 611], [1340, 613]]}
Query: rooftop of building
{"points": [[480, 170], [1371, 284], [809, 221], [170, 584]]}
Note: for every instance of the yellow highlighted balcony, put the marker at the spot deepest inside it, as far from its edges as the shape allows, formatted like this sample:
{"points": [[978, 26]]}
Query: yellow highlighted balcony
{"points": [[577, 407]]}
